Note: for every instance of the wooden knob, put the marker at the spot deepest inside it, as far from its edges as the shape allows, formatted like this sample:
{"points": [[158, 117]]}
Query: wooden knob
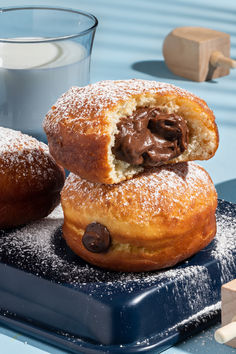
{"points": [[218, 59], [226, 333]]}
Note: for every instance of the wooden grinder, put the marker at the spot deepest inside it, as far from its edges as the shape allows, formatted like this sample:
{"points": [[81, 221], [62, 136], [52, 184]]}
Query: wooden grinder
{"points": [[227, 333], [198, 53]]}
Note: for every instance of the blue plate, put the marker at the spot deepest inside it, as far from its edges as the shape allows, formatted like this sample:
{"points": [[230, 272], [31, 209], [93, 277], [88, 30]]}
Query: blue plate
{"points": [[51, 294]]}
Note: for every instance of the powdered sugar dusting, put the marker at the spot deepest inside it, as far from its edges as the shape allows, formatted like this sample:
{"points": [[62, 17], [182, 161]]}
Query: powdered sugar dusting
{"points": [[80, 103], [14, 141], [225, 244], [171, 188], [24, 155]]}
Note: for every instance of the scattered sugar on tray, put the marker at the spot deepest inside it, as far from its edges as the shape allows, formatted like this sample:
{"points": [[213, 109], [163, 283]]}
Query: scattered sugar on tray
{"points": [[15, 141], [189, 278], [39, 248], [225, 243], [198, 316]]}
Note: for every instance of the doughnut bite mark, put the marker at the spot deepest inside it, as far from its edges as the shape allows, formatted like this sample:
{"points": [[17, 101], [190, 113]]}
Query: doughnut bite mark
{"points": [[30, 179], [109, 131], [152, 221]]}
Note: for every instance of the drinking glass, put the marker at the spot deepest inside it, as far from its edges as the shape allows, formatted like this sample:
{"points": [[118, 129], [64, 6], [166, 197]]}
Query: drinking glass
{"points": [[43, 52]]}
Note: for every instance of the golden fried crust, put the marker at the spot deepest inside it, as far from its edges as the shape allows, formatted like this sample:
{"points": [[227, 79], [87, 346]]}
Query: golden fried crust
{"points": [[20, 212], [157, 219], [79, 126], [30, 179]]}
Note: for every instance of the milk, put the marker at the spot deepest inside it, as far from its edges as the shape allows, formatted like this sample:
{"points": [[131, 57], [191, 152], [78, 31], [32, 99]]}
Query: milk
{"points": [[33, 76]]}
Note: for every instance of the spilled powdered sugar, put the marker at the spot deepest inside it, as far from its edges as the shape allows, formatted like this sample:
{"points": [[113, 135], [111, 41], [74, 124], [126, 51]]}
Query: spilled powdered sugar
{"points": [[39, 248], [225, 245], [206, 310]]}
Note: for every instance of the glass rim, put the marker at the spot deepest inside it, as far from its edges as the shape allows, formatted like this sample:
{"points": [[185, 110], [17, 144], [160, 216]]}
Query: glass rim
{"points": [[50, 39]]}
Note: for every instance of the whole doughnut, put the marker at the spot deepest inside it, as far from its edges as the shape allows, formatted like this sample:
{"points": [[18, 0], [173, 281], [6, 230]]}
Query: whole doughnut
{"points": [[153, 221], [30, 179]]}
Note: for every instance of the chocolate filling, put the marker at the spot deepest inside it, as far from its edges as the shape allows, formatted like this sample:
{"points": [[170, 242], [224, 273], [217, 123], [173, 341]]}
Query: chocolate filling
{"points": [[96, 238], [149, 137]]}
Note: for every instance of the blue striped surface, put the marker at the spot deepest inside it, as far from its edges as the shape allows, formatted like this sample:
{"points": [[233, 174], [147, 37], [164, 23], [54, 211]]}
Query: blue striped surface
{"points": [[128, 44]]}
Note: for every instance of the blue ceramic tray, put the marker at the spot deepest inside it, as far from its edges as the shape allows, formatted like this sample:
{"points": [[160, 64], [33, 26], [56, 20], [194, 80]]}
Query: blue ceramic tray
{"points": [[51, 294]]}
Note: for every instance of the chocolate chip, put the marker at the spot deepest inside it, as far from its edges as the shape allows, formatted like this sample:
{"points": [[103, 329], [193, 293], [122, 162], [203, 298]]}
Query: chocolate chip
{"points": [[96, 238]]}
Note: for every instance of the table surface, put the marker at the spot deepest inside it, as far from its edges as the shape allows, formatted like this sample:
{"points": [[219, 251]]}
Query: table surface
{"points": [[128, 44]]}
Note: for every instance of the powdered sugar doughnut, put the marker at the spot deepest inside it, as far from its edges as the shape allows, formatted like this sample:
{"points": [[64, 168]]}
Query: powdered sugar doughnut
{"points": [[154, 220], [109, 131], [30, 179]]}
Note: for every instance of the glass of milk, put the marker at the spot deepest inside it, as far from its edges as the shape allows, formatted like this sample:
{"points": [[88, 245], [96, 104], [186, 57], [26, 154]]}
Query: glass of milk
{"points": [[43, 52]]}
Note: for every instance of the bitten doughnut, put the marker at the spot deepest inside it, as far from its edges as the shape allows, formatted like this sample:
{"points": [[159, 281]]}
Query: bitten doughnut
{"points": [[109, 131], [30, 179], [154, 220]]}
